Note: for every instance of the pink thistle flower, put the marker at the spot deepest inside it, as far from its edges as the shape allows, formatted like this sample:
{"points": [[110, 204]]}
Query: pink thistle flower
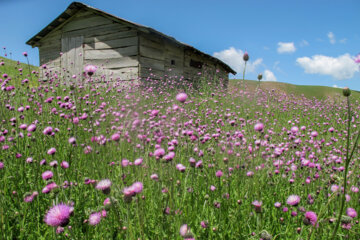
{"points": [[154, 177], [95, 218], [160, 152], [310, 218], [137, 187], [351, 212], [219, 174], [58, 215], [104, 186], [107, 202], [293, 200], [1, 165], [47, 175], [64, 164], [115, 137], [185, 232], [180, 167], [48, 188], [257, 205], [181, 97], [51, 151], [90, 69], [48, 131], [259, 127], [25, 54], [31, 128], [277, 204], [138, 161]]}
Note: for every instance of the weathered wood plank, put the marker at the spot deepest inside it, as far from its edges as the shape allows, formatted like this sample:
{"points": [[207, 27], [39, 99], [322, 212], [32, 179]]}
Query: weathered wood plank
{"points": [[112, 36], [156, 74], [114, 62], [111, 53], [150, 41], [96, 30], [151, 63], [85, 22], [116, 43], [121, 73], [155, 53]]}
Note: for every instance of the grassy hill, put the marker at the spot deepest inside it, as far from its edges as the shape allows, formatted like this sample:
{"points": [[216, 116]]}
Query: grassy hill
{"points": [[308, 91], [12, 69]]}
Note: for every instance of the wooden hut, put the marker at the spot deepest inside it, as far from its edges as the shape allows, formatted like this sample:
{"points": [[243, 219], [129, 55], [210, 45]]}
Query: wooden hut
{"points": [[124, 50]]}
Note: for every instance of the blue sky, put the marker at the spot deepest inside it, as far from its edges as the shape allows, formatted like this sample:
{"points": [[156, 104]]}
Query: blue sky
{"points": [[307, 42]]}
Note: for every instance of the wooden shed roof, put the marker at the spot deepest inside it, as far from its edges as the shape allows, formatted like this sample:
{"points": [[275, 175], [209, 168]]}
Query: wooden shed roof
{"points": [[76, 6]]}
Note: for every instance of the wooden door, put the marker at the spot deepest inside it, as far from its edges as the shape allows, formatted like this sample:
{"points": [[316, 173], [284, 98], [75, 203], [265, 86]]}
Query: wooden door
{"points": [[72, 59]]}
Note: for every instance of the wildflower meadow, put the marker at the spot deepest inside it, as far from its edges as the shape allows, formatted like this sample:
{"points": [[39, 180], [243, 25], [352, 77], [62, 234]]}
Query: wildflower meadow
{"points": [[164, 160]]}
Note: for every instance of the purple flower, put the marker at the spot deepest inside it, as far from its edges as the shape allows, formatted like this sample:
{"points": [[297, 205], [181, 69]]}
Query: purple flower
{"points": [[58, 215], [104, 186], [47, 175], [219, 173], [154, 176], [181, 97], [95, 218], [293, 200], [257, 205], [115, 137], [49, 187], [31, 128], [138, 161], [51, 151], [277, 204], [137, 187], [351, 212], [90, 69], [310, 218], [259, 127], [64, 164], [160, 152]]}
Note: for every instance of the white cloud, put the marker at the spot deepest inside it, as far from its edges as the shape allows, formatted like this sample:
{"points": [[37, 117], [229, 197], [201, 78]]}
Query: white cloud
{"points": [[269, 76], [234, 58], [286, 47], [331, 37], [342, 67], [336, 86]]}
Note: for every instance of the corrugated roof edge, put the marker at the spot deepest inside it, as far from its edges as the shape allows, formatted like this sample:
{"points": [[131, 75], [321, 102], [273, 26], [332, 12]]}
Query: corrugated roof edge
{"points": [[74, 7]]}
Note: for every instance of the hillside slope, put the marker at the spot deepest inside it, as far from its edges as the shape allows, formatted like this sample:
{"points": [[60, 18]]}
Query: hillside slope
{"points": [[308, 91]]}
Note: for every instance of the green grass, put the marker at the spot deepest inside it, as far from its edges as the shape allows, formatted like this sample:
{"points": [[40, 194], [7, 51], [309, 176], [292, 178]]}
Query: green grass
{"points": [[215, 126], [319, 92], [11, 68]]}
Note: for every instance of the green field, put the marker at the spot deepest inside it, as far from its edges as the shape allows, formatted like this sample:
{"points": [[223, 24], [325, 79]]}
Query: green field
{"points": [[247, 162]]}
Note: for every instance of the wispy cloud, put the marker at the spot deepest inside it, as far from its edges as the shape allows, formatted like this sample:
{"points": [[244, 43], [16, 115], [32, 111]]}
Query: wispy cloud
{"points": [[331, 37], [286, 47], [304, 43]]}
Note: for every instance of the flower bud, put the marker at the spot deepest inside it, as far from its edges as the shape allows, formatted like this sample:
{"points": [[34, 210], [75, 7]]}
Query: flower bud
{"points": [[260, 76], [346, 91], [246, 56]]}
